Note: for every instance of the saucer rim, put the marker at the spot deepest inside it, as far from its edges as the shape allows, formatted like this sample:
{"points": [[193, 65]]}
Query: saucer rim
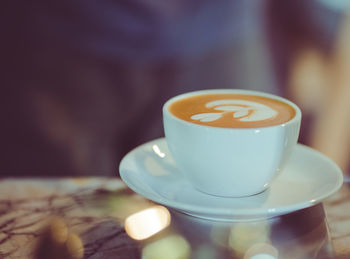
{"points": [[225, 213]]}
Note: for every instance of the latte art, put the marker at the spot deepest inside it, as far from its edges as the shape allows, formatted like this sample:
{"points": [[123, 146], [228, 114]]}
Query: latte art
{"points": [[241, 110], [232, 110]]}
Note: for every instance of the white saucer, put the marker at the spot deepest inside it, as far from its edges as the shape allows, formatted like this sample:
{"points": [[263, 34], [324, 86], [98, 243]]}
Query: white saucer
{"points": [[308, 178]]}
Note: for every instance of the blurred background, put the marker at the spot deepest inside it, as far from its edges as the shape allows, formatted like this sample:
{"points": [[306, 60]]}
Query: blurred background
{"points": [[83, 82]]}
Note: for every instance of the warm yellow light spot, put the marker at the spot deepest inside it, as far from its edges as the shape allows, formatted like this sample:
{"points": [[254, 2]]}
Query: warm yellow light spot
{"points": [[245, 235], [75, 247], [170, 247], [146, 223], [58, 230]]}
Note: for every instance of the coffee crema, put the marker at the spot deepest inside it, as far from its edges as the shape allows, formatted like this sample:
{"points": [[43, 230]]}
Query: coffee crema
{"points": [[232, 110]]}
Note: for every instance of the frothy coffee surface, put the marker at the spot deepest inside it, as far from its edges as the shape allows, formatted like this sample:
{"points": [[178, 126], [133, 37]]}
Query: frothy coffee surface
{"points": [[232, 110]]}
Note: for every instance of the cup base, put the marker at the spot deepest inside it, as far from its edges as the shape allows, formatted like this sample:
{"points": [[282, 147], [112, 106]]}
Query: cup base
{"points": [[231, 195]]}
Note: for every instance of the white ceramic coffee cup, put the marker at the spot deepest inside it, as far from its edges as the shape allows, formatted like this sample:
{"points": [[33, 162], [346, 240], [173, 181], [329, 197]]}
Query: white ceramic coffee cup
{"points": [[232, 162]]}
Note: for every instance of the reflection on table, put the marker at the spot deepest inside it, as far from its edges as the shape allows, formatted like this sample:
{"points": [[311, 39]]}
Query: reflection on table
{"points": [[102, 218]]}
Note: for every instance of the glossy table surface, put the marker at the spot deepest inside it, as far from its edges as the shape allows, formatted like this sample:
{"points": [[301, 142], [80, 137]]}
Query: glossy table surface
{"points": [[102, 218]]}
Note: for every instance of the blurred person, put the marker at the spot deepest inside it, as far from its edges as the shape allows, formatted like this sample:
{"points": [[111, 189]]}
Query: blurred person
{"points": [[332, 125], [84, 81], [311, 41]]}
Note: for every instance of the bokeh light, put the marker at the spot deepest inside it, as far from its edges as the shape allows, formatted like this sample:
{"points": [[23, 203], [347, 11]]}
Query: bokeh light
{"points": [[75, 246], [145, 223], [58, 230], [261, 251], [244, 236], [170, 247]]}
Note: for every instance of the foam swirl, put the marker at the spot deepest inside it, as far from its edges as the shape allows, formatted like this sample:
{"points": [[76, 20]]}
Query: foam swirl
{"points": [[243, 110]]}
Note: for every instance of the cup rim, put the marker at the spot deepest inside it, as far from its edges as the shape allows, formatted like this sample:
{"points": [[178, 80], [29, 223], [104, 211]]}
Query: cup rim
{"points": [[296, 118]]}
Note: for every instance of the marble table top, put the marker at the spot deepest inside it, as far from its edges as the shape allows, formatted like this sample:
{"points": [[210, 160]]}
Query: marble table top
{"points": [[102, 218]]}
